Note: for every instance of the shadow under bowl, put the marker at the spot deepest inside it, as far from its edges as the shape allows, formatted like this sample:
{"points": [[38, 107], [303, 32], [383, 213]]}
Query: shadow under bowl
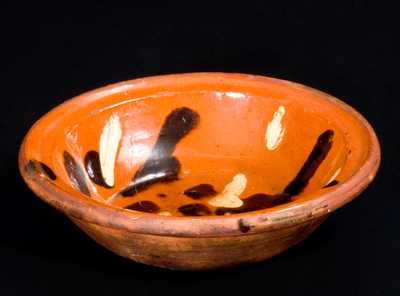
{"points": [[202, 170]]}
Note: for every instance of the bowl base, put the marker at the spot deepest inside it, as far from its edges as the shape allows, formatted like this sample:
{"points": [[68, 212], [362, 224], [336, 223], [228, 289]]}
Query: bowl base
{"points": [[198, 253]]}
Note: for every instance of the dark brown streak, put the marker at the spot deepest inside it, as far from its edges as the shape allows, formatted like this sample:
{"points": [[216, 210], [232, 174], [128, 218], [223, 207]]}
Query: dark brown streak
{"points": [[48, 171], [262, 201], [41, 169], [93, 168], [75, 174], [161, 166], [163, 170], [317, 155]]}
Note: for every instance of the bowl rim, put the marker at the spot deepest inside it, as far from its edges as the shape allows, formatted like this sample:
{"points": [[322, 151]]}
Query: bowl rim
{"points": [[287, 215]]}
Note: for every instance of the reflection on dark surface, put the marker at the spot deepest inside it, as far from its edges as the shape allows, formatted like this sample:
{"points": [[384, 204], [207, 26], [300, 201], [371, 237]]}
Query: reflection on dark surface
{"points": [[161, 166], [144, 206], [93, 168], [75, 173], [199, 191], [40, 168]]}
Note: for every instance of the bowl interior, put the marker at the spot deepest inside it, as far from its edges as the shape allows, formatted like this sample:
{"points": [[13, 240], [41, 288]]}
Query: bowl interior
{"points": [[198, 144]]}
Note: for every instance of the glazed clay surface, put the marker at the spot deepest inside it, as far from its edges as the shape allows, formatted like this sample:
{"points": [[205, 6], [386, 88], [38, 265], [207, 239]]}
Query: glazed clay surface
{"points": [[200, 252], [204, 165]]}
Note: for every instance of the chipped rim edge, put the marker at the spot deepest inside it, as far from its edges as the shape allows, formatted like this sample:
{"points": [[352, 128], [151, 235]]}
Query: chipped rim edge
{"points": [[290, 214]]}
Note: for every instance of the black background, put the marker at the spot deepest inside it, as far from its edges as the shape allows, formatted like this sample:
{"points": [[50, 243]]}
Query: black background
{"points": [[52, 53]]}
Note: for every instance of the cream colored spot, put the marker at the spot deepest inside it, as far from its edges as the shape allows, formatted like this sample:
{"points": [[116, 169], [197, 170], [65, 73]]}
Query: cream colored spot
{"points": [[109, 142], [165, 213], [335, 174], [229, 198], [275, 132]]}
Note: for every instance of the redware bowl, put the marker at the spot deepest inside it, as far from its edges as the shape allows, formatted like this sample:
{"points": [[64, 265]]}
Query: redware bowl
{"points": [[200, 171]]}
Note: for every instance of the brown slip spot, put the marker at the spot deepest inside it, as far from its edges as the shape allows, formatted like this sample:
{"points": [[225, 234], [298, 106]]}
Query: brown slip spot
{"points": [[243, 227], [200, 191], [144, 206], [195, 209]]}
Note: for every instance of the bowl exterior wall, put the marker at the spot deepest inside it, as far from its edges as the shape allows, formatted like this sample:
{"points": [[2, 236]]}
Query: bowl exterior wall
{"points": [[198, 253]]}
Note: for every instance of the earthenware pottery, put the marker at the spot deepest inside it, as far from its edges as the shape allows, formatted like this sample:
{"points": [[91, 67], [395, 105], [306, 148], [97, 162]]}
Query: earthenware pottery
{"points": [[200, 171]]}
